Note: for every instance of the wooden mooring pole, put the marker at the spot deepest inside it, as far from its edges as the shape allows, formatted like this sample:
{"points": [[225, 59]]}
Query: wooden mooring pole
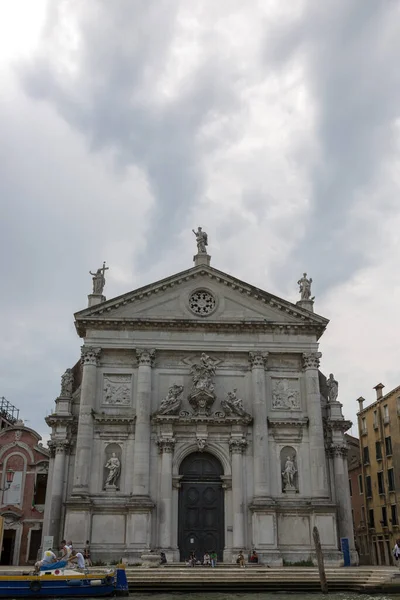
{"points": [[320, 560]]}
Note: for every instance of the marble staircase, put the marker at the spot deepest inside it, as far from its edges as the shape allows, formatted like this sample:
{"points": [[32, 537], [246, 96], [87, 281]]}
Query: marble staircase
{"points": [[180, 578]]}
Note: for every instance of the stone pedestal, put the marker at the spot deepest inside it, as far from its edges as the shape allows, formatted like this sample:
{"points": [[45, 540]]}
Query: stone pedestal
{"points": [[111, 489], [306, 304], [83, 460], [201, 259], [94, 299], [150, 560]]}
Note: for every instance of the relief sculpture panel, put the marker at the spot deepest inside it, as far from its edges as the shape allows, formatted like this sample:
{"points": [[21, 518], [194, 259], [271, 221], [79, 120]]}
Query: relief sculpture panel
{"points": [[117, 389], [285, 394]]}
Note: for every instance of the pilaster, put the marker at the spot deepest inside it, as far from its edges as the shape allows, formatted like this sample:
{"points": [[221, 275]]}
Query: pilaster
{"points": [[166, 448], [237, 446], [319, 480], [141, 464], [83, 461], [260, 429]]}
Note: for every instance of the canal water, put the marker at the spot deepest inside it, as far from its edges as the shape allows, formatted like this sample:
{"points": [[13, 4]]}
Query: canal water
{"points": [[262, 596]]}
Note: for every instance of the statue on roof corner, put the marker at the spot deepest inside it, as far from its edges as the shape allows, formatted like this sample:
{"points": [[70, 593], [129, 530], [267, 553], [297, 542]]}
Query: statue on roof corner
{"points": [[333, 388], [305, 287], [201, 239], [99, 281]]}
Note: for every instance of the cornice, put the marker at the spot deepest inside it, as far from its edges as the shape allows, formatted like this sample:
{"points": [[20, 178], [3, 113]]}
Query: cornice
{"points": [[115, 419], [130, 324], [288, 422], [102, 313], [338, 425], [187, 418]]}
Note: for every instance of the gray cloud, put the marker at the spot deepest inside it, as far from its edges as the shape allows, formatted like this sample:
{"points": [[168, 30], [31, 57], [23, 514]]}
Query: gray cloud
{"points": [[112, 102], [132, 122], [351, 52]]}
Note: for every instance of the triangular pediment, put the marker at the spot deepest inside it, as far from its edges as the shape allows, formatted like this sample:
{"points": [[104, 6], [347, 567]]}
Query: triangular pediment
{"points": [[201, 294]]}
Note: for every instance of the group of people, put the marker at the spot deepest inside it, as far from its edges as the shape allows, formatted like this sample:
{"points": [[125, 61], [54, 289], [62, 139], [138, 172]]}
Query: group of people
{"points": [[209, 559], [67, 556]]}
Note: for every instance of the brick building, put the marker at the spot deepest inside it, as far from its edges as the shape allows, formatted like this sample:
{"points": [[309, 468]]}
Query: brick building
{"points": [[379, 428], [24, 460]]}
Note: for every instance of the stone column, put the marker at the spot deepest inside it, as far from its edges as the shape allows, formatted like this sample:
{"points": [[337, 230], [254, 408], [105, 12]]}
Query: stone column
{"points": [[319, 480], [89, 359], [58, 449], [341, 475], [166, 447], [237, 446], [141, 459], [260, 426]]}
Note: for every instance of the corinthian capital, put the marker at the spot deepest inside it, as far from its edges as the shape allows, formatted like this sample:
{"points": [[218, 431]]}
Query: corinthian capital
{"points": [[166, 444], [145, 357], [90, 355], [311, 360], [237, 445], [258, 360]]}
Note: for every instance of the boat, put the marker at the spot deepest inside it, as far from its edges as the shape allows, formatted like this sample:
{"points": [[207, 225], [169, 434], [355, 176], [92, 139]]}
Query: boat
{"points": [[60, 581]]}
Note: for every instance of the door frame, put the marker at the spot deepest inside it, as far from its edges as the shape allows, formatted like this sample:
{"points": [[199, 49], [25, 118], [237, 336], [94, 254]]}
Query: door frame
{"points": [[213, 480]]}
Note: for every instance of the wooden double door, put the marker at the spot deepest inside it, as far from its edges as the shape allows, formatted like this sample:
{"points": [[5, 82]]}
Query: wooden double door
{"points": [[201, 506]]}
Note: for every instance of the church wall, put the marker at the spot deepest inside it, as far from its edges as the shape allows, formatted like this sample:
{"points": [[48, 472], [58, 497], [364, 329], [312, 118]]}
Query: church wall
{"points": [[114, 424]]}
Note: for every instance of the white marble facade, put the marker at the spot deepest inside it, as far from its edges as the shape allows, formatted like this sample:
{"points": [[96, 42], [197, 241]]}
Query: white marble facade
{"points": [[199, 362]]}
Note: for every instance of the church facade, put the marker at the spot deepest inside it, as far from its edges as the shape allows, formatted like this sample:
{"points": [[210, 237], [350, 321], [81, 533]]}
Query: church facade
{"points": [[197, 419]]}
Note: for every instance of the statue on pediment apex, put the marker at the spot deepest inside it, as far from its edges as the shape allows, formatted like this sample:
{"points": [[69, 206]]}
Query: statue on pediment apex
{"points": [[201, 239]]}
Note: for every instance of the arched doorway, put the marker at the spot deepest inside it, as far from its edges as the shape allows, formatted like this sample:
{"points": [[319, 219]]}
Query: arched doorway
{"points": [[201, 506]]}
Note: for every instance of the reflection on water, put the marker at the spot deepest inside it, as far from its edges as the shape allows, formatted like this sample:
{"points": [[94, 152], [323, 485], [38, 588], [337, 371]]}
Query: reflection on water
{"points": [[259, 596]]}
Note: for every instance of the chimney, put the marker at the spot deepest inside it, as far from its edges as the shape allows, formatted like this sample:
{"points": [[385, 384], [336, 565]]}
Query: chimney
{"points": [[379, 389], [360, 401]]}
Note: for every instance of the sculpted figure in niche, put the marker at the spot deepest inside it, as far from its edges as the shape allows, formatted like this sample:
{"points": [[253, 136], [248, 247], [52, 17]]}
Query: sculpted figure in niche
{"points": [[289, 473], [305, 287], [172, 402], [202, 240], [234, 405], [114, 468], [333, 388], [99, 281], [67, 382]]}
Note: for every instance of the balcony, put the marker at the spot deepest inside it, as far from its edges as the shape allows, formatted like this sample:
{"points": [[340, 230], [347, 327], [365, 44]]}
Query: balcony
{"points": [[386, 420], [364, 431], [376, 426]]}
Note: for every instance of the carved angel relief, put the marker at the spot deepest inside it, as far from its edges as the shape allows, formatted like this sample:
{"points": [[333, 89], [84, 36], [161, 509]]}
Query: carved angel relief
{"points": [[117, 389], [284, 396], [234, 405], [171, 404]]}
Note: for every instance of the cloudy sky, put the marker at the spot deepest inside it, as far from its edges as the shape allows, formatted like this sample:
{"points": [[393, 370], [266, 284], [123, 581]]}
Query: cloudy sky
{"points": [[125, 123]]}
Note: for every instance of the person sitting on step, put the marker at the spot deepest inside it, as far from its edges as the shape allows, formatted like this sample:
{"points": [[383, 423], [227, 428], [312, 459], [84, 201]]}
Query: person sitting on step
{"points": [[207, 559], [240, 559]]}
